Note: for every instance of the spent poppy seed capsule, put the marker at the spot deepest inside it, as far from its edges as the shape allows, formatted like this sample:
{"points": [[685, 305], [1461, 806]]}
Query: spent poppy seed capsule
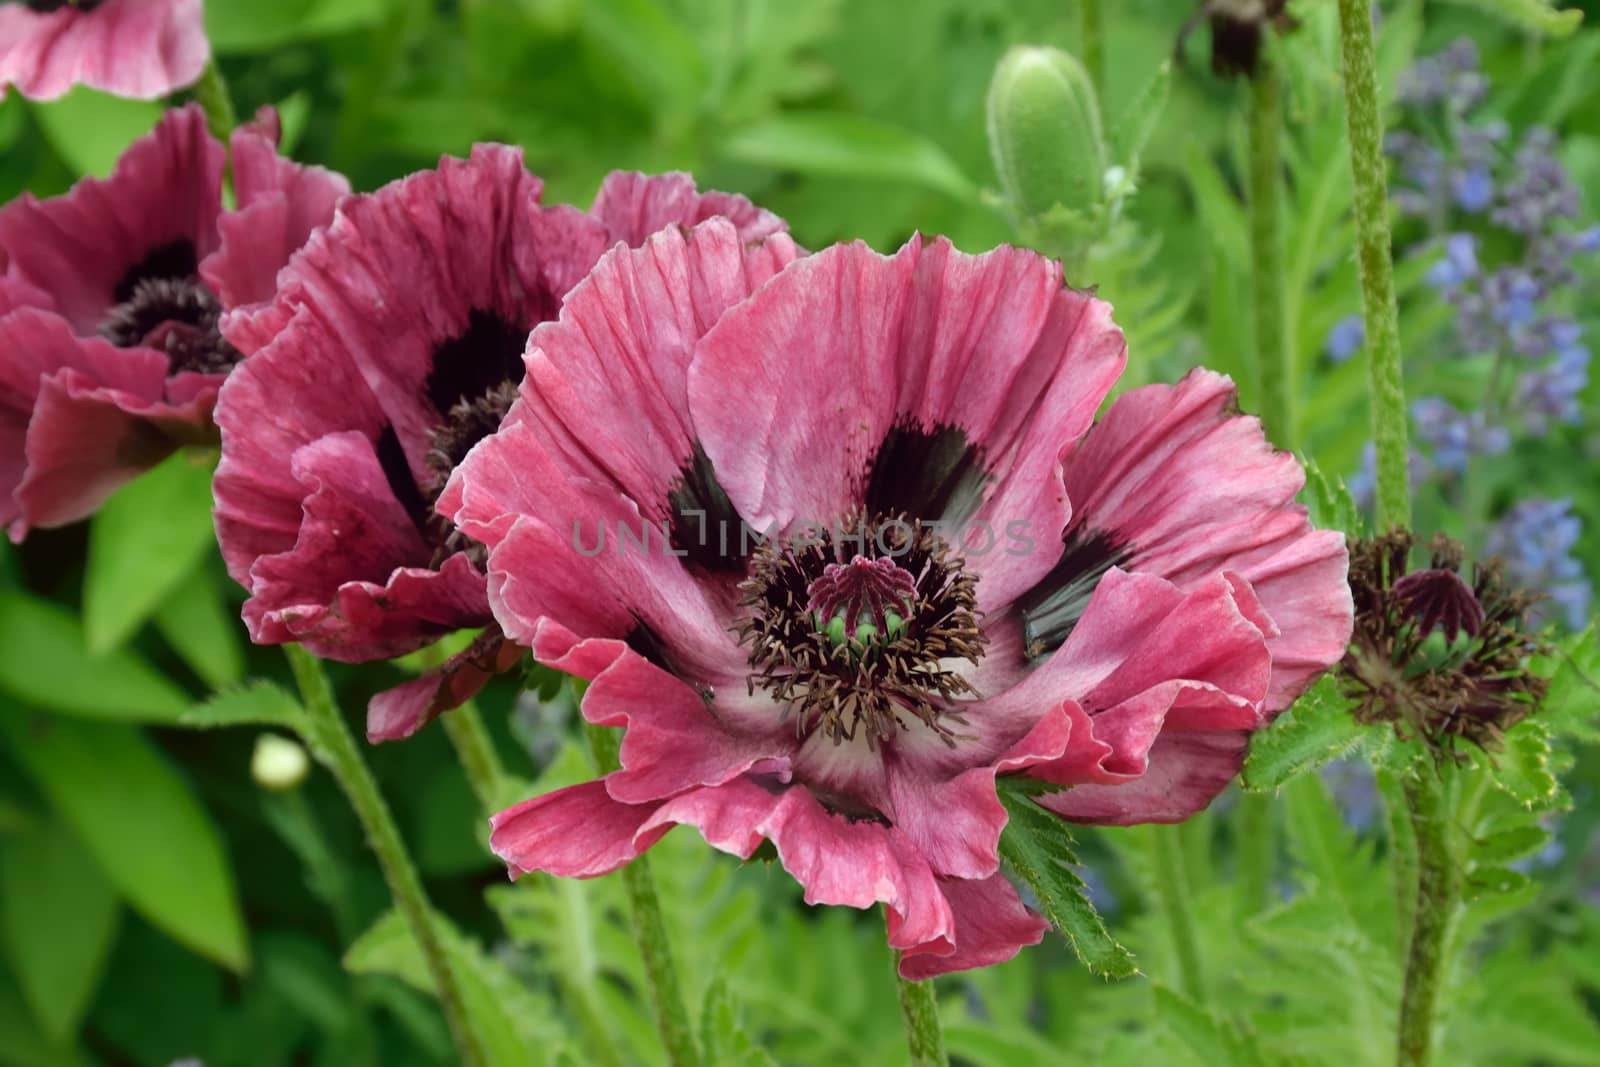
{"points": [[1044, 132]]}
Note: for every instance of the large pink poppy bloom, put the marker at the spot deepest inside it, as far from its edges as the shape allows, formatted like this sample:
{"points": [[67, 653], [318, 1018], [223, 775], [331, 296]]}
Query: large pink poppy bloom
{"points": [[110, 354], [394, 343], [137, 48], [965, 581]]}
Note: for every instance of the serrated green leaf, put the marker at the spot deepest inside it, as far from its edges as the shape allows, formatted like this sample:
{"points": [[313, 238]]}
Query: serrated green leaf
{"points": [[200, 624], [1330, 503], [1535, 15], [510, 1019], [723, 1039], [851, 146], [44, 662], [1510, 845], [258, 703], [58, 952], [1487, 880], [1137, 121], [142, 542], [1037, 846], [143, 824], [1316, 729], [1523, 769], [1209, 1038], [1572, 703]]}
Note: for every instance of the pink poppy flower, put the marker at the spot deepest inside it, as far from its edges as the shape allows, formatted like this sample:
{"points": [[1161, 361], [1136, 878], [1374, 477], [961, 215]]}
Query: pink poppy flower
{"points": [[137, 48], [965, 580], [393, 345], [110, 352]]}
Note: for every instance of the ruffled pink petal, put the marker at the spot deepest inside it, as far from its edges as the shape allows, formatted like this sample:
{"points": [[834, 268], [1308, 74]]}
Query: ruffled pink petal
{"points": [[258, 510], [623, 343], [401, 270], [837, 861], [567, 559], [166, 187], [137, 48], [577, 832], [1174, 472], [280, 204], [400, 712], [79, 418], [992, 925], [795, 390], [1183, 774], [344, 589], [632, 206]]}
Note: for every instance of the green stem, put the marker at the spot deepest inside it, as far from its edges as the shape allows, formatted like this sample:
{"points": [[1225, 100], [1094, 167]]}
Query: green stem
{"points": [[1438, 894], [1172, 897], [475, 749], [1255, 850], [919, 1005], [211, 93], [1402, 852], [1091, 38], [330, 738], [650, 929], [1384, 376], [1274, 368]]}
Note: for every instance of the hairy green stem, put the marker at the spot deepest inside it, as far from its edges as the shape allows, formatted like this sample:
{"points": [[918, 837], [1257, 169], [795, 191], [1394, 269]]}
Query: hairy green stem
{"points": [[330, 738], [1438, 894], [1255, 851], [475, 749], [650, 929], [1385, 382], [1173, 898], [924, 1033], [1091, 38], [211, 93], [1274, 367]]}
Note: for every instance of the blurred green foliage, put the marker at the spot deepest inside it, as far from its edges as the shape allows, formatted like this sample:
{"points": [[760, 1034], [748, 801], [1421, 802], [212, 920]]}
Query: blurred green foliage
{"points": [[155, 903]]}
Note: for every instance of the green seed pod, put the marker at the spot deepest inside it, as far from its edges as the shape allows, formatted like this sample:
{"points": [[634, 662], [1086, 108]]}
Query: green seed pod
{"points": [[1044, 132]]}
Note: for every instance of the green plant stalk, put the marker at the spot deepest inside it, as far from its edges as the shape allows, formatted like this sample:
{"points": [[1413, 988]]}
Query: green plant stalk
{"points": [[1255, 850], [331, 740], [1382, 316], [1438, 897], [1172, 897], [650, 929], [1091, 38], [211, 93], [475, 749], [1274, 365], [924, 1034]]}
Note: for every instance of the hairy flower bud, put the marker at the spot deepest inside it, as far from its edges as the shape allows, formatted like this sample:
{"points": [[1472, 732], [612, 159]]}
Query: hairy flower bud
{"points": [[1044, 132]]}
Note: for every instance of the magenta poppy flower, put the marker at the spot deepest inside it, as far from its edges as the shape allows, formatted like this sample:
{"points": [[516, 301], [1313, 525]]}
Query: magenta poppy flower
{"points": [[137, 48], [394, 344], [110, 299], [961, 579]]}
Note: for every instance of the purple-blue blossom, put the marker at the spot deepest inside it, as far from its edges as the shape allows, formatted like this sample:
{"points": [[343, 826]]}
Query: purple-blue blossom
{"points": [[1345, 339], [1536, 539], [1455, 436]]}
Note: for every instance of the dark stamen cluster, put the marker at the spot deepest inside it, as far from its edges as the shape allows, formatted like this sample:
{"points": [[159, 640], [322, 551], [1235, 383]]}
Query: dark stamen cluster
{"points": [[1438, 657], [47, 6], [177, 316], [845, 686], [466, 423]]}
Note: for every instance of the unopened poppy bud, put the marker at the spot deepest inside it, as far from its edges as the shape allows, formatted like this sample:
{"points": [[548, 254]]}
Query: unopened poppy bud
{"points": [[1044, 132], [278, 763]]}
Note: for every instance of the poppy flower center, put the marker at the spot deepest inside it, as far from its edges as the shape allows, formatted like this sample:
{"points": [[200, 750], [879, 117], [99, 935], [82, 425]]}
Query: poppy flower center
{"points": [[855, 630], [47, 6], [161, 304]]}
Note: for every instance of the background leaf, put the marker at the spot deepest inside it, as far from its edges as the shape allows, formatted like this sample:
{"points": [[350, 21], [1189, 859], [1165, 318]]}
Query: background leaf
{"points": [[142, 823]]}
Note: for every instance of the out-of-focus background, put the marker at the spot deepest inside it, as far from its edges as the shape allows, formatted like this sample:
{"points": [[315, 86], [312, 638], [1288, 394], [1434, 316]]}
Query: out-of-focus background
{"points": [[158, 901]]}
